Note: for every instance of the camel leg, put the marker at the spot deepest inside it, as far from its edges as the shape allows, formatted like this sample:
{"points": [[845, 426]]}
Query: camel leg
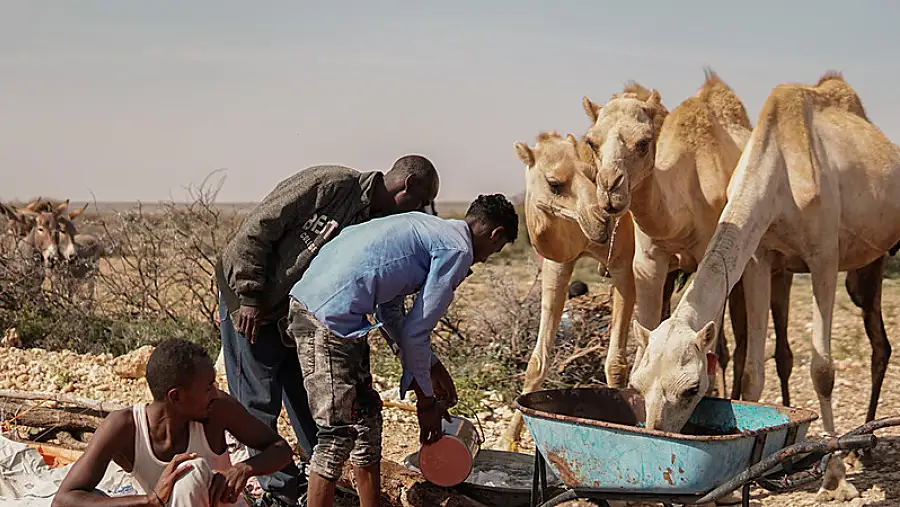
{"points": [[781, 302], [554, 282], [864, 286], [737, 308], [623, 301], [824, 281], [651, 276], [668, 290], [757, 289]]}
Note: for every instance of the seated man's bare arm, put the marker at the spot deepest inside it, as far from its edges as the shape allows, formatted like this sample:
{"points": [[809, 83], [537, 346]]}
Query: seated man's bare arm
{"points": [[275, 453], [113, 440], [250, 431]]}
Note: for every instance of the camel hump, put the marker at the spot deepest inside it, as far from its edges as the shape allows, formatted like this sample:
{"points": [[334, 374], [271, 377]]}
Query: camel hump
{"points": [[722, 100], [831, 75], [835, 91], [635, 90], [550, 135]]}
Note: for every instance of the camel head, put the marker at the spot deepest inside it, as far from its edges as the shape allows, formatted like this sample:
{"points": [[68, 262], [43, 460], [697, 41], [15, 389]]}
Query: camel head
{"points": [[672, 375], [622, 138], [561, 208]]}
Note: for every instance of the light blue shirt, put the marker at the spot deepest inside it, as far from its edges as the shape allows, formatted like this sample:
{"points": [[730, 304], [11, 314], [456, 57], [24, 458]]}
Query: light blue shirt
{"points": [[368, 269]]}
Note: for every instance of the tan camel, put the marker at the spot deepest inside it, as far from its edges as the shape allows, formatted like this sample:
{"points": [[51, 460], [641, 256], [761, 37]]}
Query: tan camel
{"points": [[670, 170], [564, 224], [815, 190]]}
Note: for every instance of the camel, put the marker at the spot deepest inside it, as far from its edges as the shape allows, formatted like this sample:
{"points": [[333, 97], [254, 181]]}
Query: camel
{"points": [[814, 191], [676, 203], [670, 170], [565, 224]]}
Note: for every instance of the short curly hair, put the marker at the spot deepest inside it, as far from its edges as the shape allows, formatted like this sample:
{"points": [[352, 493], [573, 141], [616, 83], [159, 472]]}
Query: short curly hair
{"points": [[498, 211], [172, 364]]}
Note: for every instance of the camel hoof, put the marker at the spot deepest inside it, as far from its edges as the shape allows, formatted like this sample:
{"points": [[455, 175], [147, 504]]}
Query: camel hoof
{"points": [[834, 483], [844, 492], [854, 462]]}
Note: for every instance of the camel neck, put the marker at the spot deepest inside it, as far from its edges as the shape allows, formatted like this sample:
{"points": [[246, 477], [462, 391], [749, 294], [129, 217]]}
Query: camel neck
{"points": [[649, 206], [738, 234]]}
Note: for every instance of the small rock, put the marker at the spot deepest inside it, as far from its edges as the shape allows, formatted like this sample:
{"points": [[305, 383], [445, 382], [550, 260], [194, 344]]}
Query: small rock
{"points": [[132, 364], [11, 338]]}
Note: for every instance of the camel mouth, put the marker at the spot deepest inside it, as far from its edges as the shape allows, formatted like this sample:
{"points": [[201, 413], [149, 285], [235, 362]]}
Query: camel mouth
{"points": [[556, 211], [599, 235]]}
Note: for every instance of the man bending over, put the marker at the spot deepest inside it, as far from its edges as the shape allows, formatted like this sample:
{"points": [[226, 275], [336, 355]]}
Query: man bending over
{"points": [[368, 269], [175, 446]]}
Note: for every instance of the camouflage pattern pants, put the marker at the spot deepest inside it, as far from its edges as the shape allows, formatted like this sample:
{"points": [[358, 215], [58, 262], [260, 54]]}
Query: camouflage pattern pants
{"points": [[338, 382]]}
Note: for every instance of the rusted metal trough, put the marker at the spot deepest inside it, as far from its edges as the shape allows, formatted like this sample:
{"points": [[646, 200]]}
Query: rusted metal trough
{"points": [[593, 440]]}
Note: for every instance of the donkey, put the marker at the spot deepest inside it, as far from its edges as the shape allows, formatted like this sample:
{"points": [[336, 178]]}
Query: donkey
{"points": [[47, 238]]}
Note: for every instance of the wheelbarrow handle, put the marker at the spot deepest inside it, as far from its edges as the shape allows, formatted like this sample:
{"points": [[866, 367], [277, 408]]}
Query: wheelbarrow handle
{"points": [[756, 471], [877, 424]]}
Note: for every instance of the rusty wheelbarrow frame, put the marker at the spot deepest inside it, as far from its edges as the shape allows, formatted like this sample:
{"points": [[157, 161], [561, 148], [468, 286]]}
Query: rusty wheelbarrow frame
{"points": [[596, 448]]}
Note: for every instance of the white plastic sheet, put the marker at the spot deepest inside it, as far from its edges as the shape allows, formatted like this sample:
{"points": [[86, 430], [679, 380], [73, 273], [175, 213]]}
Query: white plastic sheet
{"points": [[27, 481]]}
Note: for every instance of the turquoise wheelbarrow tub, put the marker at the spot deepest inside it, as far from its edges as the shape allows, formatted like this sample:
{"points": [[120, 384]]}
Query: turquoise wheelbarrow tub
{"points": [[592, 439]]}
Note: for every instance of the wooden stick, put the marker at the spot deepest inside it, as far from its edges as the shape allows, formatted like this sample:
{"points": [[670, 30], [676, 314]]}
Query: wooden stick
{"points": [[104, 407], [401, 487], [43, 417]]}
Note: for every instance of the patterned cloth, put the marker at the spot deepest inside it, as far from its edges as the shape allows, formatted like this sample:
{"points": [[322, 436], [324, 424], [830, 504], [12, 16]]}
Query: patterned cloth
{"points": [[345, 406]]}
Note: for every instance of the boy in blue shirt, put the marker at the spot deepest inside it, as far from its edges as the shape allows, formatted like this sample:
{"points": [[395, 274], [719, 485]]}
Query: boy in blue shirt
{"points": [[368, 269]]}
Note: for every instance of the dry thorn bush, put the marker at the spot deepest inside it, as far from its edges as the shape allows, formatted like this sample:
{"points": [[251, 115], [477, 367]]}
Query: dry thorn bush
{"points": [[155, 281]]}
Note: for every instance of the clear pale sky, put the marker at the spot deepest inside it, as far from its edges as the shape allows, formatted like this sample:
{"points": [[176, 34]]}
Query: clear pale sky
{"points": [[135, 100]]}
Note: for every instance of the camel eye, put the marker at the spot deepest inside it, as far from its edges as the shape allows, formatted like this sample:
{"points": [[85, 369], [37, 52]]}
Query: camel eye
{"points": [[643, 146], [690, 392], [556, 187]]}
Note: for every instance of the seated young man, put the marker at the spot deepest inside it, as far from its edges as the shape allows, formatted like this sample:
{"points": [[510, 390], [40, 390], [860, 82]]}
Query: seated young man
{"points": [[368, 269], [175, 446]]}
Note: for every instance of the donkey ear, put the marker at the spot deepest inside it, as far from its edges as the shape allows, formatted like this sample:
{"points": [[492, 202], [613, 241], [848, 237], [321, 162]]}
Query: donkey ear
{"points": [[8, 211], [76, 212], [524, 153], [34, 205]]}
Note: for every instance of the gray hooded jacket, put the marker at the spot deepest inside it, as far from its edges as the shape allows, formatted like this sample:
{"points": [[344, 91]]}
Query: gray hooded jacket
{"points": [[280, 236]]}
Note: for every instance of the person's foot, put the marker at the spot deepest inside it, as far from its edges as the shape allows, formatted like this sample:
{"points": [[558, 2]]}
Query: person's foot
{"points": [[273, 500]]}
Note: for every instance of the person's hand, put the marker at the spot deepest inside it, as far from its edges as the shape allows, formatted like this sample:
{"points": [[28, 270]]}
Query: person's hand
{"points": [[246, 322], [227, 485], [430, 411], [444, 388], [167, 478]]}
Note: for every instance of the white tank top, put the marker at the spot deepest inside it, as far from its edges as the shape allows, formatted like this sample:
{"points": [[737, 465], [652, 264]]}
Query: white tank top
{"points": [[147, 467]]}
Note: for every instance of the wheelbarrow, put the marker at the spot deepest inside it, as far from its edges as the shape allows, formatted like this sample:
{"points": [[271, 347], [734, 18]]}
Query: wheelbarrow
{"points": [[593, 440]]}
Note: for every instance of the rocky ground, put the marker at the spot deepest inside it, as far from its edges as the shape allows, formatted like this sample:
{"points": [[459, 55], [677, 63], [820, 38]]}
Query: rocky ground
{"points": [[878, 481]]}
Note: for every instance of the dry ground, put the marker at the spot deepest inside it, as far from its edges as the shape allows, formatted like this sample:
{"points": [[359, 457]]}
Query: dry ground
{"points": [[92, 376]]}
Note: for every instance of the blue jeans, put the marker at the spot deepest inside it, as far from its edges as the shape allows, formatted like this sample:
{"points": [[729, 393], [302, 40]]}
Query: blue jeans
{"points": [[261, 376]]}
